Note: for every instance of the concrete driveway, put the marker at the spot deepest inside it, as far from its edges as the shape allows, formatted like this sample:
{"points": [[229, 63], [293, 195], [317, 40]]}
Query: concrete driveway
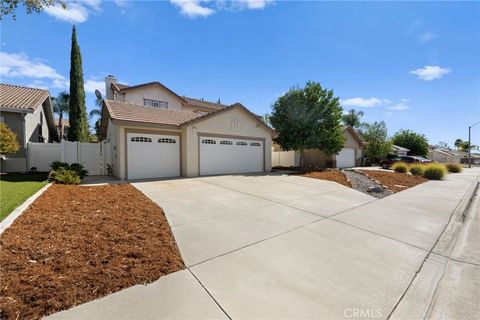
{"points": [[290, 247], [217, 215]]}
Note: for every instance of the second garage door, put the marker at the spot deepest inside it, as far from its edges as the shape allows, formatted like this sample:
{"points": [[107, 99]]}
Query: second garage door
{"points": [[152, 156], [224, 155], [346, 158]]}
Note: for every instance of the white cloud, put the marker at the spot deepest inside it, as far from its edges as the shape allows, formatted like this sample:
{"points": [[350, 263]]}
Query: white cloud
{"points": [[205, 8], [92, 84], [121, 3], [426, 37], [19, 65], [400, 106], [363, 102], [193, 8], [253, 4], [429, 73], [73, 14], [77, 11]]}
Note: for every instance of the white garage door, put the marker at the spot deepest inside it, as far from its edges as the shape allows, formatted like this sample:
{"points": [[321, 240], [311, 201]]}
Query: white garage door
{"points": [[346, 158], [152, 156], [224, 155]]}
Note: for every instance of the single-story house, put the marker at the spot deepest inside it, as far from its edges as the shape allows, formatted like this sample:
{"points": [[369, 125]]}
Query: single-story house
{"points": [[444, 156], [399, 151], [29, 113], [349, 156], [156, 133]]}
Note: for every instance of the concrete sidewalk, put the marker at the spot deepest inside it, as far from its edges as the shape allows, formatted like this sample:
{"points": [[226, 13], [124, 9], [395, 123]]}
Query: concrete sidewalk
{"points": [[293, 247]]}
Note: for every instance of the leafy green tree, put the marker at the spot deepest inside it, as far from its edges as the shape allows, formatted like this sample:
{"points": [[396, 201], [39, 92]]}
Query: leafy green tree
{"points": [[415, 142], [308, 118], [458, 143], [78, 113], [61, 106], [465, 145], [10, 6], [353, 118], [377, 143], [8, 140]]}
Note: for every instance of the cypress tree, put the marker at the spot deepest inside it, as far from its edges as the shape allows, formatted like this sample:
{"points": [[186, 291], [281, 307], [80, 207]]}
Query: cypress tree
{"points": [[78, 112]]}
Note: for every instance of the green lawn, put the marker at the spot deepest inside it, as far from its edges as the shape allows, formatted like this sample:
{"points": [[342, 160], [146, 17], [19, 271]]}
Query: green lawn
{"points": [[16, 188]]}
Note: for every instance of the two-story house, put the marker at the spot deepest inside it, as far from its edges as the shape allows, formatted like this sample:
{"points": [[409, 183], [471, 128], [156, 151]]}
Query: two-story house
{"points": [[28, 112], [155, 132]]}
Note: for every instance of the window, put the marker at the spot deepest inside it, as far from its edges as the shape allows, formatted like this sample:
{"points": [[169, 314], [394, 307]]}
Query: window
{"points": [[155, 103], [166, 140], [255, 144], [226, 142], [209, 141], [242, 143], [141, 139]]}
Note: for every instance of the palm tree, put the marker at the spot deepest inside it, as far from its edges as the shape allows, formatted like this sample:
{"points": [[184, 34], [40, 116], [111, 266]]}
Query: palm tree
{"points": [[352, 118], [97, 112], [61, 106]]}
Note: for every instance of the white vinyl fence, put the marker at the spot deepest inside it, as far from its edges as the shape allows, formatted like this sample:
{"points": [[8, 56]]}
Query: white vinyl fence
{"points": [[285, 159], [93, 156]]}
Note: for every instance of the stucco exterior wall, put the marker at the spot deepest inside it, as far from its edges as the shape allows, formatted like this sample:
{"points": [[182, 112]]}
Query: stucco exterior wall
{"points": [[232, 123], [153, 93], [244, 126], [36, 126], [352, 142]]}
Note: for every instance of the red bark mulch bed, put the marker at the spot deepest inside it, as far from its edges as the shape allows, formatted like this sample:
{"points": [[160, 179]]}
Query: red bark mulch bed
{"points": [[75, 244], [331, 175], [394, 181]]}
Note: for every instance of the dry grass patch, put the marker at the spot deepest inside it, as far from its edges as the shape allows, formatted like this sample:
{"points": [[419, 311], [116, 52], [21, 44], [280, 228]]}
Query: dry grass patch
{"points": [[75, 244], [394, 181]]}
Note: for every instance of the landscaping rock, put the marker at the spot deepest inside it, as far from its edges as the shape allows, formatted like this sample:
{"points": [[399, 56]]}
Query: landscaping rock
{"points": [[363, 184]]}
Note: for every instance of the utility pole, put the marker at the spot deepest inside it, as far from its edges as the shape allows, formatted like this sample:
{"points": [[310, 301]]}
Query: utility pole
{"points": [[470, 145]]}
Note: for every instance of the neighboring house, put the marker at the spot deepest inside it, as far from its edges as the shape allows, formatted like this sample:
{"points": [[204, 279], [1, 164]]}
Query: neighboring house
{"points": [[444, 156], [29, 113], [65, 127], [349, 156], [155, 133], [399, 151]]}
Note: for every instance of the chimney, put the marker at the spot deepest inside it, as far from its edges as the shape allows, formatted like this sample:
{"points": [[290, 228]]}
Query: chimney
{"points": [[108, 86]]}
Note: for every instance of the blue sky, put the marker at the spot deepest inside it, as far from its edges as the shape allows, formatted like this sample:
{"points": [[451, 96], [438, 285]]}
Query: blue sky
{"points": [[415, 65]]}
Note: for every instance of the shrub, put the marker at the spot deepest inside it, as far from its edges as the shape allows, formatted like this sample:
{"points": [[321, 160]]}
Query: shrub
{"points": [[65, 176], [454, 167], [416, 169], [58, 164], [401, 167], [434, 171], [8, 140], [79, 169]]}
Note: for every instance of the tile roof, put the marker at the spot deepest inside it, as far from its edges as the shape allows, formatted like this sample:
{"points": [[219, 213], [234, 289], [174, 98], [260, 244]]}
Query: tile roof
{"points": [[21, 98], [138, 113], [123, 87], [203, 103], [190, 101]]}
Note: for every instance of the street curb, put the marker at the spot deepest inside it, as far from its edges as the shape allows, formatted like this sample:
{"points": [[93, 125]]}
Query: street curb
{"points": [[7, 222], [447, 240], [433, 267]]}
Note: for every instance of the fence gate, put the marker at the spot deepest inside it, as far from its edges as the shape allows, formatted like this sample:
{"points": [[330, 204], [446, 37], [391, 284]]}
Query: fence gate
{"points": [[93, 156]]}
